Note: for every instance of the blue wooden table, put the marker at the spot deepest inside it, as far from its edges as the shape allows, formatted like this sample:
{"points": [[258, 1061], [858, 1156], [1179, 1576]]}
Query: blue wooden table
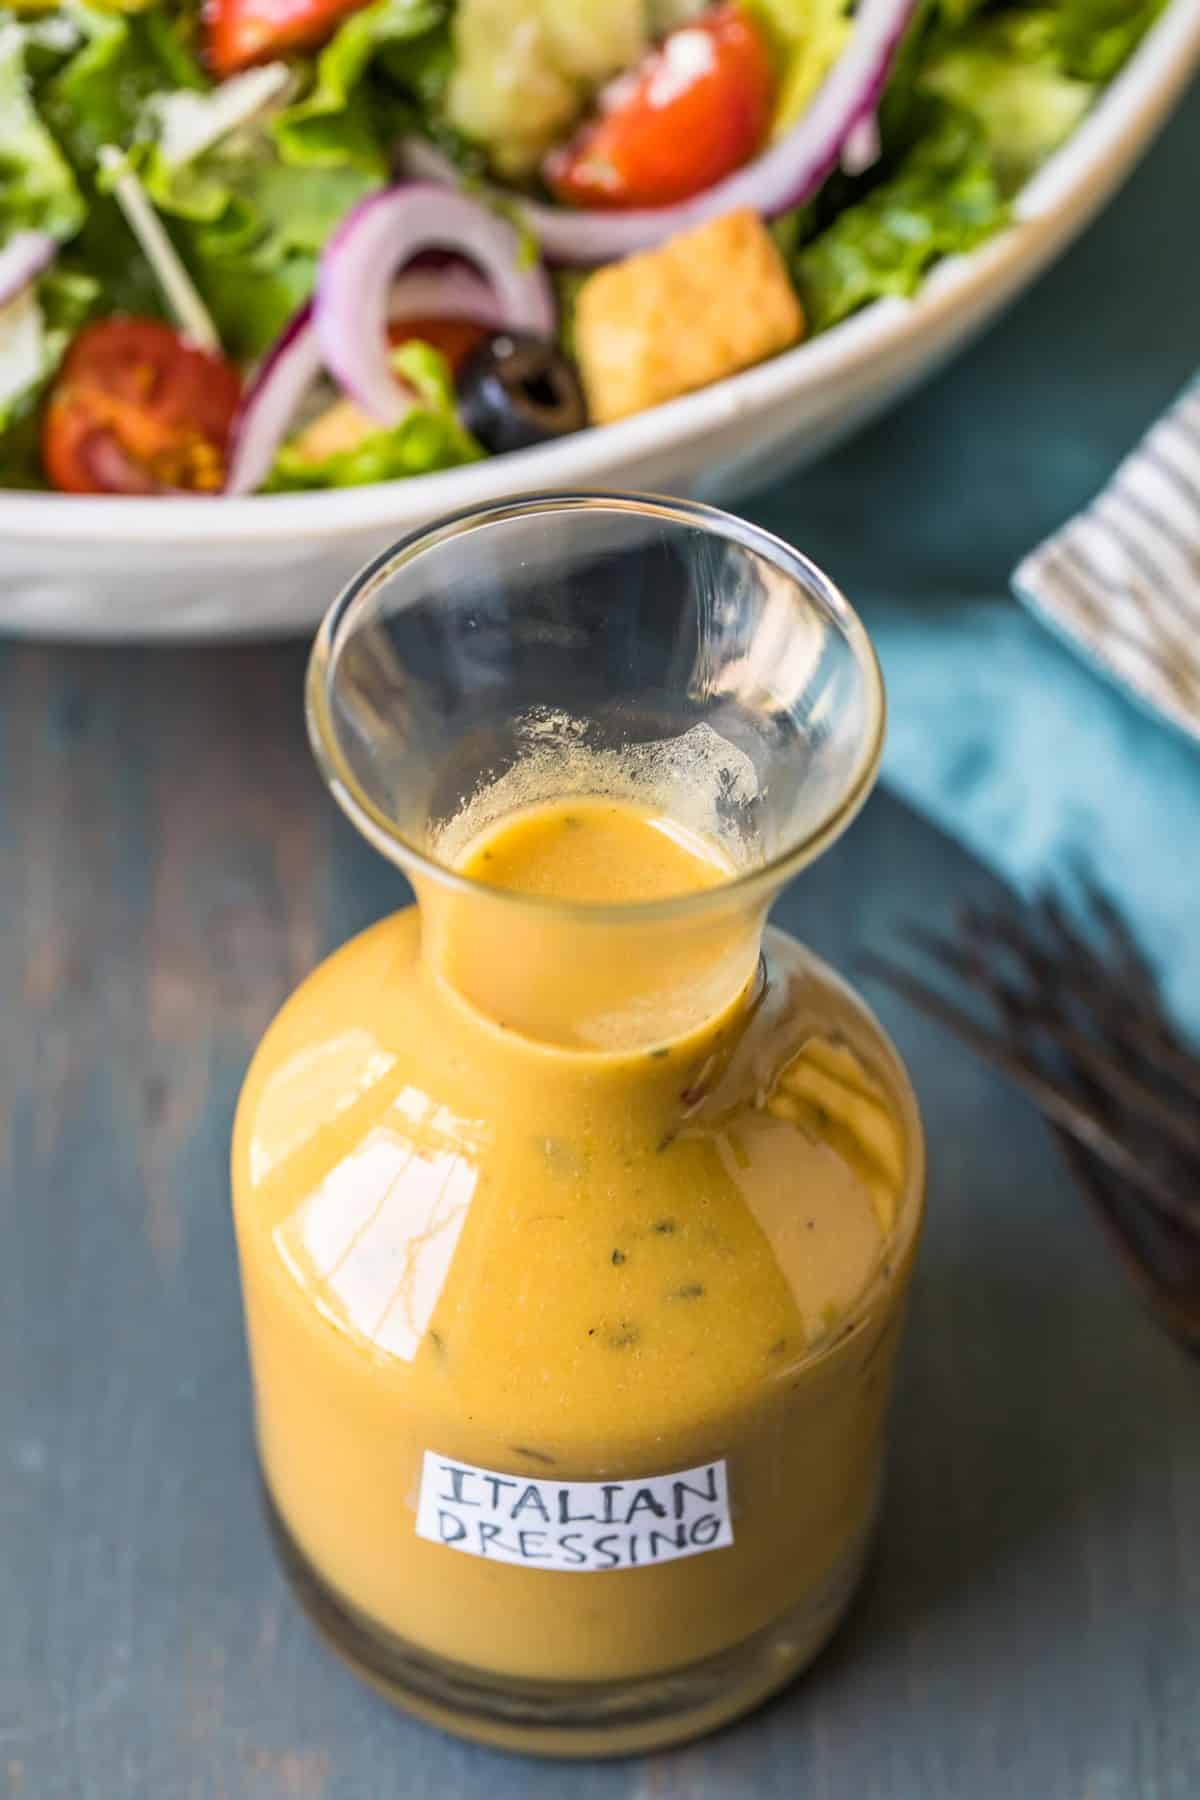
{"points": [[169, 869]]}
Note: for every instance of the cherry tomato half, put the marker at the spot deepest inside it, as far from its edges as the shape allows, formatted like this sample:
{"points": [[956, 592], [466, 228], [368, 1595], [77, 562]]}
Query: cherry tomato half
{"points": [[696, 108], [455, 338], [242, 32], [136, 410]]}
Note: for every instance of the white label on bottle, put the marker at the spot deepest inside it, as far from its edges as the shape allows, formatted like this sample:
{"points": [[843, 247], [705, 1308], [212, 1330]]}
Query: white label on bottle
{"points": [[576, 1525]]}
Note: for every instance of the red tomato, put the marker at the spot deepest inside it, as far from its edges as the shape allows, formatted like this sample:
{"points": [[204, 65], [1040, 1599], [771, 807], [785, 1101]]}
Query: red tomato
{"points": [[241, 32], [455, 338], [696, 109], [135, 410]]}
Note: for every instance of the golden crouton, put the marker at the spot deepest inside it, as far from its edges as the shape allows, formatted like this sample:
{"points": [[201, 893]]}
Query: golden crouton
{"points": [[702, 305]]}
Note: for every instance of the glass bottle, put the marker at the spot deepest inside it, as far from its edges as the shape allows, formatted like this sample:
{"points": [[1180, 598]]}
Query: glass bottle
{"points": [[575, 1225]]}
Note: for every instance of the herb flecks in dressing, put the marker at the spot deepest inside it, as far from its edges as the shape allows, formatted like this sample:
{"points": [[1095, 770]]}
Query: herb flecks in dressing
{"points": [[431, 1246]]}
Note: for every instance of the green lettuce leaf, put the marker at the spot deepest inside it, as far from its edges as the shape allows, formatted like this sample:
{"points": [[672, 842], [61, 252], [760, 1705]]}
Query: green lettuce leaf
{"points": [[1006, 70], [383, 69], [252, 213], [93, 96], [943, 197], [956, 12], [38, 191], [60, 303], [1095, 37], [429, 438], [250, 300], [250, 229], [978, 99], [67, 300], [806, 37], [64, 301], [99, 95]]}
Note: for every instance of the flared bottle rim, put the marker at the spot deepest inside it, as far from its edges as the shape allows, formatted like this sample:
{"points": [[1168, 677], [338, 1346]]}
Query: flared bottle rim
{"points": [[808, 584]]}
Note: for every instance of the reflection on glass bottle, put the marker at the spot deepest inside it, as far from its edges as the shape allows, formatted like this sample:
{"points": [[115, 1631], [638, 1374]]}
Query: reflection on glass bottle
{"points": [[375, 1240]]}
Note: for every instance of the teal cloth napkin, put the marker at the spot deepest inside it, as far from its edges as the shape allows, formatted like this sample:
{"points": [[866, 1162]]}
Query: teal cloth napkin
{"points": [[998, 732]]}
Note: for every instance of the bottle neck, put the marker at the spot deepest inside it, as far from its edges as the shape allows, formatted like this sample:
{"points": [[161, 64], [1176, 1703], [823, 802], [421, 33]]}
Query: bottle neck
{"points": [[576, 983]]}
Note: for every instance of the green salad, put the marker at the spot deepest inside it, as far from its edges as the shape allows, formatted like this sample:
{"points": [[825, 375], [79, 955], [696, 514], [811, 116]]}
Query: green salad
{"points": [[260, 245]]}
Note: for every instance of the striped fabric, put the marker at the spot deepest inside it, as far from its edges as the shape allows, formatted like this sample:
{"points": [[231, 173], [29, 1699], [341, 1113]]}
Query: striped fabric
{"points": [[1121, 580]]}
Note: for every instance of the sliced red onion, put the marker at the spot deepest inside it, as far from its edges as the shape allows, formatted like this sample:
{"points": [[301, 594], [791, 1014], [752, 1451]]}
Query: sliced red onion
{"points": [[788, 173], [269, 404], [292, 365], [26, 255], [357, 271], [861, 149], [451, 291]]}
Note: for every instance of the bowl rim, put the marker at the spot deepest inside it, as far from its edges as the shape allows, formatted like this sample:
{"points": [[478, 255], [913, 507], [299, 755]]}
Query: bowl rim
{"points": [[1097, 154]]}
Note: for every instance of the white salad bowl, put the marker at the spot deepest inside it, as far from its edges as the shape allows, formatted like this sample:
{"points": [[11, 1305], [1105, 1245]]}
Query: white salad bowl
{"points": [[100, 568]]}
